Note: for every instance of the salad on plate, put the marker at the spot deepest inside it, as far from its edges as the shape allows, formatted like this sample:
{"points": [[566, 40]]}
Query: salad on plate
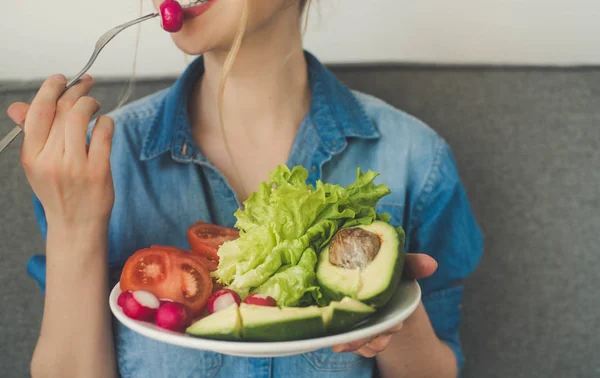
{"points": [[302, 262]]}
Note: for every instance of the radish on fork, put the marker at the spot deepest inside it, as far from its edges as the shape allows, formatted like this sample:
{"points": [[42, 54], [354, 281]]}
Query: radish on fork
{"points": [[171, 14]]}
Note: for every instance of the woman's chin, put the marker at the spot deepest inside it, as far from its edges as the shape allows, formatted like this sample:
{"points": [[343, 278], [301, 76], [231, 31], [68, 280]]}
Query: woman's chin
{"points": [[190, 47]]}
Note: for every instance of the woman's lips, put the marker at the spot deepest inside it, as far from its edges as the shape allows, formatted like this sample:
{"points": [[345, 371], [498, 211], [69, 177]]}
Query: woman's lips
{"points": [[197, 10]]}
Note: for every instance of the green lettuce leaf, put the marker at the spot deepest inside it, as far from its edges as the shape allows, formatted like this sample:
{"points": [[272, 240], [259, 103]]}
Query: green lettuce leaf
{"points": [[283, 226]]}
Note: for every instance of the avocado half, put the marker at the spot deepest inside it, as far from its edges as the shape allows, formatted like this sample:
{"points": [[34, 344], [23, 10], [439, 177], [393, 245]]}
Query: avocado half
{"points": [[375, 281]]}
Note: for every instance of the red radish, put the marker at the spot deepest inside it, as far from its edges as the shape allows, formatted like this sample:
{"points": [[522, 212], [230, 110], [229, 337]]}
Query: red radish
{"points": [[260, 300], [172, 16], [222, 299], [140, 305], [172, 316], [123, 297]]}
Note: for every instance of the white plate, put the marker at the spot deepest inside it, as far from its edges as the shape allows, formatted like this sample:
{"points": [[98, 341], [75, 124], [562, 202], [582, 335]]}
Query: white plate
{"points": [[401, 306]]}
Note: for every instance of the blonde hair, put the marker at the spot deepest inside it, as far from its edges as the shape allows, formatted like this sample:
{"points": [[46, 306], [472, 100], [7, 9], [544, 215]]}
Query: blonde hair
{"points": [[129, 89], [227, 67], [229, 61]]}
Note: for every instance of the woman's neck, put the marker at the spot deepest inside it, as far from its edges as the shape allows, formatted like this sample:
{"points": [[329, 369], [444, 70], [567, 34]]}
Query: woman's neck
{"points": [[266, 90]]}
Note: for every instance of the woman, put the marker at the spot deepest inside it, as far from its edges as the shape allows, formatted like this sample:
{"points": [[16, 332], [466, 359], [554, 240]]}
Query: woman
{"points": [[196, 151]]}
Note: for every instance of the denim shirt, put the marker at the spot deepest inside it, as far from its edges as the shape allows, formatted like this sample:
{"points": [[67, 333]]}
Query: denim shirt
{"points": [[163, 183]]}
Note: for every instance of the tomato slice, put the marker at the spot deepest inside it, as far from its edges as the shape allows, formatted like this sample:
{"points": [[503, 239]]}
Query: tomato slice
{"points": [[211, 265], [146, 269], [206, 238], [169, 273]]}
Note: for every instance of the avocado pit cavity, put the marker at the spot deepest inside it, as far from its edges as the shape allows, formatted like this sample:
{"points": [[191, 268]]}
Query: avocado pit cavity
{"points": [[353, 248]]}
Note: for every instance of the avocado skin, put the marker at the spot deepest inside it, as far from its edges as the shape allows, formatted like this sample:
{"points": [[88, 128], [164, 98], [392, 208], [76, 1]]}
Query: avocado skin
{"points": [[297, 329], [343, 320], [382, 299]]}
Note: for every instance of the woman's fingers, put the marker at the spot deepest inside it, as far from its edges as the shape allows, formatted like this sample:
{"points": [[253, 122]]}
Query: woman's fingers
{"points": [[41, 116], [419, 265], [56, 138], [75, 128], [101, 143], [394, 329], [366, 347], [17, 112], [379, 344], [353, 346], [366, 352]]}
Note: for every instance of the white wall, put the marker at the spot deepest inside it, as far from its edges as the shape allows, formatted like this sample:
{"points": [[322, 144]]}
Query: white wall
{"points": [[38, 38]]}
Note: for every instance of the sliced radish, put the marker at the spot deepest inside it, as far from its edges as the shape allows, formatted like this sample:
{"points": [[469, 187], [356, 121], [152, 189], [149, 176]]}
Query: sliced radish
{"points": [[171, 14], [123, 297], [222, 299], [140, 305], [260, 300], [172, 316]]}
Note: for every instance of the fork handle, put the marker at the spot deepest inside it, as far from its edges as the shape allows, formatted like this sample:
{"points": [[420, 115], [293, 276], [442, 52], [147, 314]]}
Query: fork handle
{"points": [[107, 37]]}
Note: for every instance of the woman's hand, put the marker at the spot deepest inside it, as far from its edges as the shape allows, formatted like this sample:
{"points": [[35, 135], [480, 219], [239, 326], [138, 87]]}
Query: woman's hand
{"points": [[416, 266], [73, 182]]}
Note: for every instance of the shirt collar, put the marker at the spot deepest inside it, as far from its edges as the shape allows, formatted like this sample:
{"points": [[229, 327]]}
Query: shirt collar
{"points": [[335, 113]]}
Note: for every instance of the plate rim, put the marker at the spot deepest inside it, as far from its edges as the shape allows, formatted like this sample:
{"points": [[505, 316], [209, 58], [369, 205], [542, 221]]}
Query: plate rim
{"points": [[252, 348]]}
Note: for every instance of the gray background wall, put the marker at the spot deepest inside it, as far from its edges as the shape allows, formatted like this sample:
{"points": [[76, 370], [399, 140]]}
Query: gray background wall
{"points": [[527, 145]]}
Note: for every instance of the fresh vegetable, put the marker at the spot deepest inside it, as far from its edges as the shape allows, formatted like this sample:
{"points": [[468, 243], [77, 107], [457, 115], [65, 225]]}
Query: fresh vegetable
{"points": [[123, 297], [139, 305], [351, 265], [224, 325], [307, 261], [282, 228], [172, 16], [265, 323], [345, 314], [205, 239], [172, 316], [168, 273], [210, 264], [261, 323], [260, 300], [222, 299]]}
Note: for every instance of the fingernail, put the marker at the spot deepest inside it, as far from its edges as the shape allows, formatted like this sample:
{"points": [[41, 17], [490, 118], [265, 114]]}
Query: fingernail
{"points": [[86, 77], [58, 77]]}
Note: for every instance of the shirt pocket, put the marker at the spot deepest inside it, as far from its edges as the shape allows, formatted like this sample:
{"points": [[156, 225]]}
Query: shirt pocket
{"points": [[139, 356], [327, 360]]}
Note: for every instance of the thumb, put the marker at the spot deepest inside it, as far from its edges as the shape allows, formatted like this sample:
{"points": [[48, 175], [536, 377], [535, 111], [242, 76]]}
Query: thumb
{"points": [[17, 112]]}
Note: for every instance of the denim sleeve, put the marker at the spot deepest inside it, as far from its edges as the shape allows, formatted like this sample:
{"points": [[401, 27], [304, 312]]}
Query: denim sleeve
{"points": [[444, 227], [36, 266]]}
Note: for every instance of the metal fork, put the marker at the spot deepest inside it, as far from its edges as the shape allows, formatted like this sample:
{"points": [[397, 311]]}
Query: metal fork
{"points": [[103, 41]]}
